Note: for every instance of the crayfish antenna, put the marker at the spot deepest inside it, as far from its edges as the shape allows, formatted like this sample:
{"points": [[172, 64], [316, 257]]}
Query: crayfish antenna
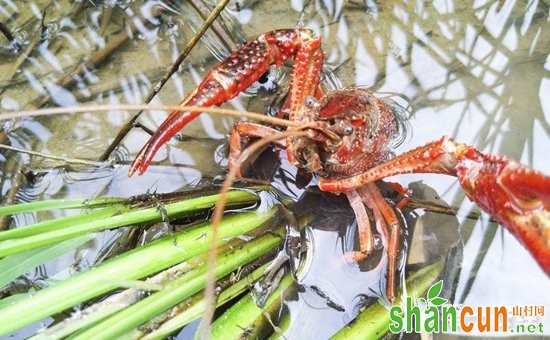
{"points": [[209, 294]]}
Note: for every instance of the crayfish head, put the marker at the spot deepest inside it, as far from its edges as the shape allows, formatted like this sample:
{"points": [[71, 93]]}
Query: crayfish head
{"points": [[354, 132]]}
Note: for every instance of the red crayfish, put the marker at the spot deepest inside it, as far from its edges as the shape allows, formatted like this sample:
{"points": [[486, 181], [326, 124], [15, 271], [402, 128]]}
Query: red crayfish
{"points": [[346, 143]]}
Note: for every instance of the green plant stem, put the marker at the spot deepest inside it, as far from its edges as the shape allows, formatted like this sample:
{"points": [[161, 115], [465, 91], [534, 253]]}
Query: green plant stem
{"points": [[246, 320], [69, 203], [60, 223], [195, 310], [12, 267], [135, 264], [374, 321], [137, 216], [178, 290], [175, 318]]}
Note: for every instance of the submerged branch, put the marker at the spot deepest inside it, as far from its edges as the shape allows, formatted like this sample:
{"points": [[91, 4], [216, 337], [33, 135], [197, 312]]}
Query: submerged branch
{"points": [[6, 32], [442, 209], [219, 28]]}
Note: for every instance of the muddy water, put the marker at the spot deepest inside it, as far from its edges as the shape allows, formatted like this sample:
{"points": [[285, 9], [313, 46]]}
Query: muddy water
{"points": [[477, 71]]}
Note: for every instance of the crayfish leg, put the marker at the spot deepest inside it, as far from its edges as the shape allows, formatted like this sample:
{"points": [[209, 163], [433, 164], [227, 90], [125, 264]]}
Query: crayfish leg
{"points": [[387, 224], [364, 231]]}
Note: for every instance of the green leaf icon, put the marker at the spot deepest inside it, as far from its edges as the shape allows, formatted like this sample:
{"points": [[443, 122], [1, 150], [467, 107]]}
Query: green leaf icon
{"points": [[437, 301], [435, 290], [422, 300]]}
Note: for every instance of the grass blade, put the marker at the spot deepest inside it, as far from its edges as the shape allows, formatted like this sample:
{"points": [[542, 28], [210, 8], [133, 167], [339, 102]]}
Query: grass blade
{"points": [[14, 266], [178, 290], [196, 307], [60, 223], [374, 321], [136, 216], [135, 264], [71, 203], [169, 322], [246, 320]]}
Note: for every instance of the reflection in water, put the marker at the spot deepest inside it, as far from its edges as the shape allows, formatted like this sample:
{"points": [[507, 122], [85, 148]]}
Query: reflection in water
{"points": [[474, 70]]}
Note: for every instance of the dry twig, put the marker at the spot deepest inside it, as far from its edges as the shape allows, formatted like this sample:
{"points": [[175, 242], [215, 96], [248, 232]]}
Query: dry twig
{"points": [[153, 92], [132, 107], [209, 291], [58, 158]]}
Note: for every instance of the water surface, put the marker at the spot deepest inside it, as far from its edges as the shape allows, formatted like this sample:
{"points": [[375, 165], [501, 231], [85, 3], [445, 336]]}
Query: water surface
{"points": [[478, 71]]}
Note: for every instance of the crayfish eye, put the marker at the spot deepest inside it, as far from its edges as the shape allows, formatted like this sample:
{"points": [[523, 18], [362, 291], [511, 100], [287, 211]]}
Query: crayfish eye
{"points": [[348, 130], [311, 102]]}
